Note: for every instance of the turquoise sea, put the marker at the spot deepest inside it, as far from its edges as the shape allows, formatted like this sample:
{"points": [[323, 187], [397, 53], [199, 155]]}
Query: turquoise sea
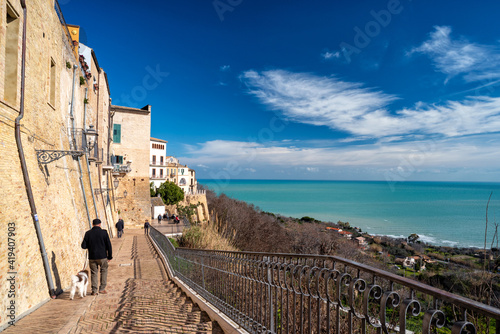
{"points": [[441, 213]]}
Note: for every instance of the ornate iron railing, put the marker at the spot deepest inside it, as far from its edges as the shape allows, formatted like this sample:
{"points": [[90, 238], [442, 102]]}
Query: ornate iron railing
{"points": [[291, 293], [122, 169]]}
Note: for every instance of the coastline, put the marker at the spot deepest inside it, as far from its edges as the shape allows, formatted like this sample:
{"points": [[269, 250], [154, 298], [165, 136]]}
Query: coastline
{"points": [[450, 214]]}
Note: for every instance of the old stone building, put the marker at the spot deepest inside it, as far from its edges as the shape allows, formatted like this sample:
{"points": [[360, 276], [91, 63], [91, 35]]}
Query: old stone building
{"points": [[130, 158], [56, 174]]}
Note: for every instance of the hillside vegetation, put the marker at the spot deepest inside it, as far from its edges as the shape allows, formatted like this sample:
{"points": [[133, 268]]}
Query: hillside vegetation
{"points": [[236, 225]]}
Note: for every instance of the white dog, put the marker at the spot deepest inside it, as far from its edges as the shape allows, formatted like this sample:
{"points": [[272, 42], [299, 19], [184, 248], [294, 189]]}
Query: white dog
{"points": [[80, 281]]}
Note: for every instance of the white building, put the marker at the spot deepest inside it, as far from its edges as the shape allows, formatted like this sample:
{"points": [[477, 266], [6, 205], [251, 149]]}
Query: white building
{"points": [[158, 161], [181, 175]]}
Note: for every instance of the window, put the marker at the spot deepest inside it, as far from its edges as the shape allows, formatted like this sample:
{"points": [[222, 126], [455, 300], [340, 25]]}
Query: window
{"points": [[154, 172], [161, 173], [161, 160], [117, 159], [154, 159], [117, 133], [11, 55], [52, 84]]}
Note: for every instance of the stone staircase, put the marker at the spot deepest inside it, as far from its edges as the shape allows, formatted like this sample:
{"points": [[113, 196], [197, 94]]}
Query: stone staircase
{"points": [[147, 303], [145, 306]]}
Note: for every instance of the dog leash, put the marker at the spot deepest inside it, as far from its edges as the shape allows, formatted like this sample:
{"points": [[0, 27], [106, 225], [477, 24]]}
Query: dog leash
{"points": [[86, 259]]}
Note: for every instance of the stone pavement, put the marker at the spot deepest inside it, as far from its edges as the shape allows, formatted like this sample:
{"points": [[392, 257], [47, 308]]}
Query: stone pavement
{"points": [[141, 299]]}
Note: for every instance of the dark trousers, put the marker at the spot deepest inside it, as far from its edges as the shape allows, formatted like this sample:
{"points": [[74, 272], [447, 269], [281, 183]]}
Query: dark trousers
{"points": [[94, 268], [120, 233], [146, 230]]}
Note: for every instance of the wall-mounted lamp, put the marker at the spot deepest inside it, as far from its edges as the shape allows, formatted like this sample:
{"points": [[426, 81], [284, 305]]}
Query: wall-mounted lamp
{"points": [[89, 137], [125, 193]]}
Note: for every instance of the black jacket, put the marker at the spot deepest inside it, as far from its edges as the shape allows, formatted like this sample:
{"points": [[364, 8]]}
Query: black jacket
{"points": [[120, 225], [97, 242]]}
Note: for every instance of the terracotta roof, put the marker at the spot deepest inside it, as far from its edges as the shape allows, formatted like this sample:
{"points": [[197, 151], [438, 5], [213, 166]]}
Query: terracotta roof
{"points": [[144, 110], [159, 140]]}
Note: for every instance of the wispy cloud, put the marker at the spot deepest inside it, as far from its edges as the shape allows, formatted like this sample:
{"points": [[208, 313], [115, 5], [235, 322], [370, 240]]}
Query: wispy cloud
{"points": [[225, 68], [362, 112], [459, 56], [331, 55], [400, 158]]}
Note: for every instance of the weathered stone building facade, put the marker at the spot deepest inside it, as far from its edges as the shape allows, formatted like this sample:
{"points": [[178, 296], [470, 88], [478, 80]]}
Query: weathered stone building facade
{"points": [[47, 204], [130, 156]]}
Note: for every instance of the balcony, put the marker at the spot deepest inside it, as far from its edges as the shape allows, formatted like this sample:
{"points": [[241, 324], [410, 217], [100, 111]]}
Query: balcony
{"points": [[121, 170], [157, 177], [157, 163]]}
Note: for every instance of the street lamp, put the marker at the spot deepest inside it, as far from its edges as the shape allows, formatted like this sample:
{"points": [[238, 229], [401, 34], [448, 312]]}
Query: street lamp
{"points": [[125, 193], [115, 182], [89, 137]]}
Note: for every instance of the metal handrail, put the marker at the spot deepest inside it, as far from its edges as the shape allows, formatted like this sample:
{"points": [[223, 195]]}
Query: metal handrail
{"points": [[284, 293]]}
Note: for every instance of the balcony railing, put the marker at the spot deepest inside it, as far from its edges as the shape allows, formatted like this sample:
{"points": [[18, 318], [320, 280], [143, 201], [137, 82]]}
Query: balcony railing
{"points": [[157, 163], [291, 293], [157, 177], [121, 169]]}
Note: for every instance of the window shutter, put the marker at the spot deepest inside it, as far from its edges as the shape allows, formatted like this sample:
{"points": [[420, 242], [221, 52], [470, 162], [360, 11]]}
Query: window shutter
{"points": [[117, 133]]}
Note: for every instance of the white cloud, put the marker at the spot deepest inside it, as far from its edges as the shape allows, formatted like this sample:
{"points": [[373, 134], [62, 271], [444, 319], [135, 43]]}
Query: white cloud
{"points": [[460, 57], [329, 55], [225, 68], [399, 160], [349, 107]]}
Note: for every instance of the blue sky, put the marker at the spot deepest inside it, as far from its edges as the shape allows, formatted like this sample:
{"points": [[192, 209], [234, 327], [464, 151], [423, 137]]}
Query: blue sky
{"points": [[335, 90]]}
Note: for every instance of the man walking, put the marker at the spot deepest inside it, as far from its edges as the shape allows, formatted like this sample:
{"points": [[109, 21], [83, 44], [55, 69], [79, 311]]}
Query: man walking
{"points": [[98, 244], [159, 219], [119, 227], [146, 227]]}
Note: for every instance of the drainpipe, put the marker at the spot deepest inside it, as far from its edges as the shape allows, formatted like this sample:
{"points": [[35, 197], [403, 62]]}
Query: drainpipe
{"points": [[87, 153], [110, 117], [27, 183], [78, 158], [111, 114], [97, 126]]}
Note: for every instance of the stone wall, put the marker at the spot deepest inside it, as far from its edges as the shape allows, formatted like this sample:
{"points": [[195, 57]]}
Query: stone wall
{"points": [[134, 147], [62, 189], [201, 210]]}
